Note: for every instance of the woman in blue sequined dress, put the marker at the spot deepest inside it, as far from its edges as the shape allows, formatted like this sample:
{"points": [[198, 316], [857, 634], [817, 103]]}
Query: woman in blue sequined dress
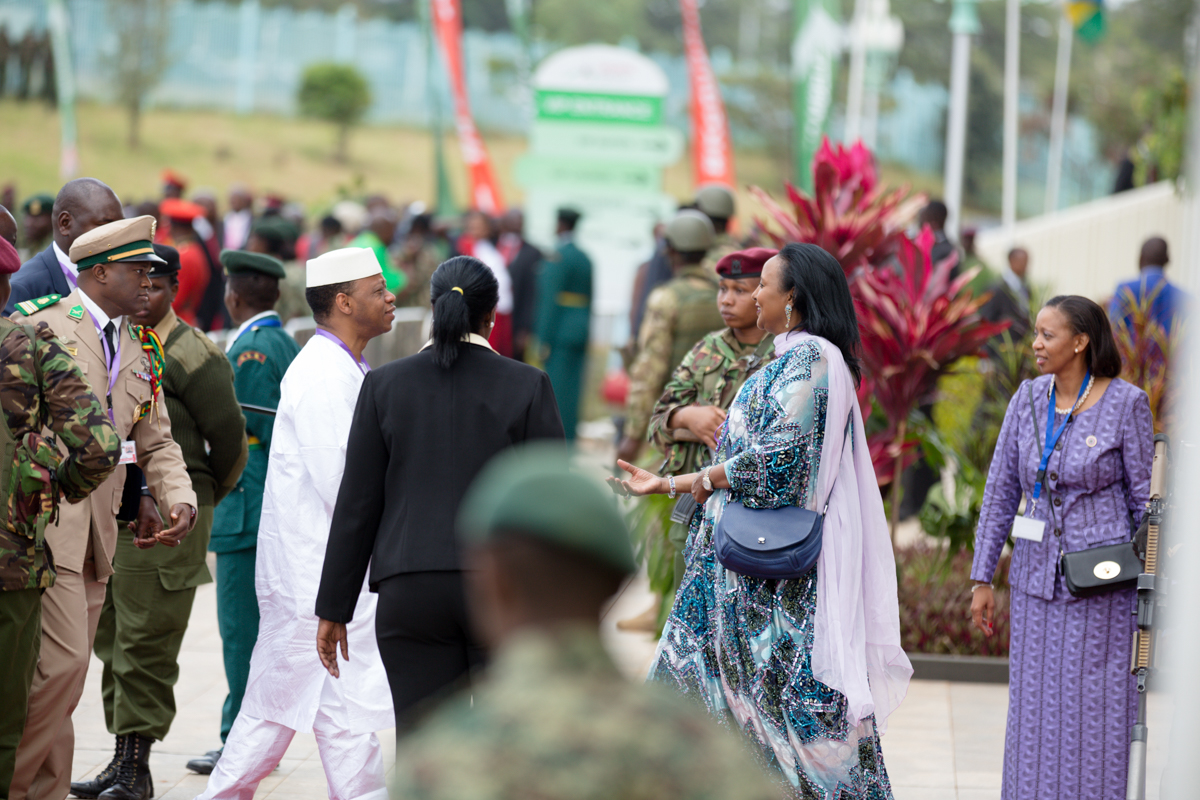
{"points": [[809, 668]]}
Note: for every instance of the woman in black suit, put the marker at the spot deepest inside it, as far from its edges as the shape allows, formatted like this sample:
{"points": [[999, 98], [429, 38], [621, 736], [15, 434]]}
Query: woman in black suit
{"points": [[423, 428]]}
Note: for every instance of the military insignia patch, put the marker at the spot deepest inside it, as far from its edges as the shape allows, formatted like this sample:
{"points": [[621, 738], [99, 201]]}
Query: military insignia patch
{"points": [[251, 355], [76, 312], [28, 307]]}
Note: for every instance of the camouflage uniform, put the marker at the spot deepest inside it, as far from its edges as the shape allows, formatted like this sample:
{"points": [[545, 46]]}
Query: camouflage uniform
{"points": [[678, 314], [65, 404], [554, 719]]}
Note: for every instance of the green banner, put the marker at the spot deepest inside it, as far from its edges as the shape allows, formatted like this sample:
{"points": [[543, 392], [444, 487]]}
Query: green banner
{"points": [[815, 54], [632, 144], [589, 107]]}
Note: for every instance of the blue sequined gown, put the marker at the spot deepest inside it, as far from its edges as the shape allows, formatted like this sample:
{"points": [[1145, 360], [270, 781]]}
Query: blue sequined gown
{"points": [[742, 646]]}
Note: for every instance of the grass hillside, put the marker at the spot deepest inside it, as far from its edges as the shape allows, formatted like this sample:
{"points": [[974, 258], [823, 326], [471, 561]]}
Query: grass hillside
{"points": [[285, 155]]}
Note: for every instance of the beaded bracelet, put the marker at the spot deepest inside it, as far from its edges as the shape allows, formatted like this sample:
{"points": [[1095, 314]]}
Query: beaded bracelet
{"points": [[671, 484]]}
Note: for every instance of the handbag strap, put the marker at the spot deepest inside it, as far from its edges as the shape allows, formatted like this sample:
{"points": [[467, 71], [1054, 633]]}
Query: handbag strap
{"points": [[828, 497]]}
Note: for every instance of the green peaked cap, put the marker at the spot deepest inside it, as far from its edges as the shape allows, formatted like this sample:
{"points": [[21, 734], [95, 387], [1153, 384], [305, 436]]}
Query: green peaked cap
{"points": [[533, 490], [236, 261]]}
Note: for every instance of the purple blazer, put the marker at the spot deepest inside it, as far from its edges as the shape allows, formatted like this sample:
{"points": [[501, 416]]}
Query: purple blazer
{"points": [[1096, 489]]}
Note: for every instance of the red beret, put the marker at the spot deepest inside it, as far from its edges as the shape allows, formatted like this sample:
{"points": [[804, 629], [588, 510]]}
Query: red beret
{"points": [[10, 262], [174, 208], [172, 178], [745, 263]]}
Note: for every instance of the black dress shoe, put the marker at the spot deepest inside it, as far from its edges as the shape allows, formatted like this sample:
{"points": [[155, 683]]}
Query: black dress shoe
{"points": [[106, 778], [133, 773], [205, 764]]}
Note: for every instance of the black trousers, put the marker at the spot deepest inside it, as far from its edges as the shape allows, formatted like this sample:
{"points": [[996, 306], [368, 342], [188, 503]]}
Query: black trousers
{"points": [[424, 638]]}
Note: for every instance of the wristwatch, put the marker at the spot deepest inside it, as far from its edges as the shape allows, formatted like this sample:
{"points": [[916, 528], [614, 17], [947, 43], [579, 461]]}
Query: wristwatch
{"points": [[704, 479]]}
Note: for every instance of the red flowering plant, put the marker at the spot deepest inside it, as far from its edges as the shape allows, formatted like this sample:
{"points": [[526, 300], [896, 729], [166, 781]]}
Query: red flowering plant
{"points": [[915, 321], [849, 213]]}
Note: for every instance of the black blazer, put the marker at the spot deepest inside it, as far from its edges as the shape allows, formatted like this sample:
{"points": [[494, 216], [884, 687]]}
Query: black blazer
{"points": [[37, 277], [419, 437]]}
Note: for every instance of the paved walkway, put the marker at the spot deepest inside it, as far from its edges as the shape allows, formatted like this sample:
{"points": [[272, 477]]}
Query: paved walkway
{"points": [[944, 743]]}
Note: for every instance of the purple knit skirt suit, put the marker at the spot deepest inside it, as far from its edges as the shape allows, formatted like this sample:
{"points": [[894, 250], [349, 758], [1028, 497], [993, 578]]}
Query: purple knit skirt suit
{"points": [[1072, 700]]}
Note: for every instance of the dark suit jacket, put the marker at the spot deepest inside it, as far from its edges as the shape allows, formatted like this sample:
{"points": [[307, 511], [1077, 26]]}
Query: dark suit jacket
{"points": [[523, 271], [1004, 305], [38, 277], [419, 437]]}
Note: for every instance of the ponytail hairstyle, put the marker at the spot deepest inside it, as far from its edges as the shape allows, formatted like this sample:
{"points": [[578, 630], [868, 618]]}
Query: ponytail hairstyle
{"points": [[464, 291]]}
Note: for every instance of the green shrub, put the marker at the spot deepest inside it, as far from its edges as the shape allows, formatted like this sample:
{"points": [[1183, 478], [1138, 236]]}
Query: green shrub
{"points": [[336, 93], [935, 604]]}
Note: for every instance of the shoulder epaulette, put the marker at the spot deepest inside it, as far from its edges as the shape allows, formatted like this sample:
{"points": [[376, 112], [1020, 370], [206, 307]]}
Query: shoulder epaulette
{"points": [[28, 307]]}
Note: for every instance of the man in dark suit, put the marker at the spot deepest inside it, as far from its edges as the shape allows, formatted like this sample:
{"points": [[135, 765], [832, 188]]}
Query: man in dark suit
{"points": [[1010, 299], [81, 205], [523, 260]]}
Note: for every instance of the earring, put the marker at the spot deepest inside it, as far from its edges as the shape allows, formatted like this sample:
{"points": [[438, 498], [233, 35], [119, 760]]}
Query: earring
{"points": [[788, 310]]}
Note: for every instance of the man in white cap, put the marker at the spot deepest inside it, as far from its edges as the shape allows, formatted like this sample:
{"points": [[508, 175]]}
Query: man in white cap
{"points": [[288, 689]]}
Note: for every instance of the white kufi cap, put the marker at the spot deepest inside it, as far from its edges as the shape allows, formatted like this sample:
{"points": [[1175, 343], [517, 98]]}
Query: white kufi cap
{"points": [[339, 266]]}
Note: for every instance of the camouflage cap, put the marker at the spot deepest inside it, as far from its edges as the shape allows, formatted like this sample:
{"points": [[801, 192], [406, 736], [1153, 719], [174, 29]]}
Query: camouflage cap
{"points": [[38, 204], [532, 490], [236, 261], [123, 240], [715, 200], [690, 232]]}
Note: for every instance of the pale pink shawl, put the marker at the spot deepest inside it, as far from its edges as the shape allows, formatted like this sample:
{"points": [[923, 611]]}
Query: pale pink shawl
{"points": [[856, 638]]}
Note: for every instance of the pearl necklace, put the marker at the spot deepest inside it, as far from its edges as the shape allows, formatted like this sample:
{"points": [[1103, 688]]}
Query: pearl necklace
{"points": [[1079, 403]]}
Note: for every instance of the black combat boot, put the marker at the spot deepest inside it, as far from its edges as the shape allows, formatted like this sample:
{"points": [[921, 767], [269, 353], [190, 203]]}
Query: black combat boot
{"points": [[133, 773], [106, 778]]}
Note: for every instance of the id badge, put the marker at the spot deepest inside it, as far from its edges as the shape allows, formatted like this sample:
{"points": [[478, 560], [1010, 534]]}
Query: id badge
{"points": [[1028, 528], [128, 453]]}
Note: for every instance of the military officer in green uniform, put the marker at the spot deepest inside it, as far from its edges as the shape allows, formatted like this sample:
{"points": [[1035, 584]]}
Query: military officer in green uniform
{"points": [[678, 314], [687, 419], [717, 202], [260, 352], [149, 598], [564, 318], [552, 718]]}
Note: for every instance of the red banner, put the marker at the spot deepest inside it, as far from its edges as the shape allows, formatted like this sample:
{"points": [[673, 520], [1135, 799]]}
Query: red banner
{"points": [[712, 152], [447, 26]]}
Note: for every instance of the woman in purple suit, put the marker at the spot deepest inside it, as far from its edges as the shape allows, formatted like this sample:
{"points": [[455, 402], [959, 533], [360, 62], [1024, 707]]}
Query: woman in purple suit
{"points": [[1072, 700]]}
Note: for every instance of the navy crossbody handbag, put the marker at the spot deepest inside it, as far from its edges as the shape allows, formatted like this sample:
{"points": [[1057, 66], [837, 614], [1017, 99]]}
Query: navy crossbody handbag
{"points": [[776, 543]]}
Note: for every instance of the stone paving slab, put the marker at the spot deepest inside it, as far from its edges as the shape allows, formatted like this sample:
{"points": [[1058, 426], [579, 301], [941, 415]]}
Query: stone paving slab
{"points": [[945, 742]]}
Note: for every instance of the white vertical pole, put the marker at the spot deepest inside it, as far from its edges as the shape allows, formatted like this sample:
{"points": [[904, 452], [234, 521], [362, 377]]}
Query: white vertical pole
{"points": [[1058, 113], [858, 71], [1012, 76], [956, 132]]}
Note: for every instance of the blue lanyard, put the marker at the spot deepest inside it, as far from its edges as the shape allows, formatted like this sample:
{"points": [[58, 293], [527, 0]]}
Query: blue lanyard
{"points": [[265, 322], [1053, 435]]}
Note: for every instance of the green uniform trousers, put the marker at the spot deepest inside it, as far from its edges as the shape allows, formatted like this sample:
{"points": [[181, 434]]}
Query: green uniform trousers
{"points": [[565, 368], [142, 623], [20, 641], [237, 618]]}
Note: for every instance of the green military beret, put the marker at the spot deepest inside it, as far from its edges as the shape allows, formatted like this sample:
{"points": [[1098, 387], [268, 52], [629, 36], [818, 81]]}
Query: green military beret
{"points": [[532, 490], [236, 261], [38, 204]]}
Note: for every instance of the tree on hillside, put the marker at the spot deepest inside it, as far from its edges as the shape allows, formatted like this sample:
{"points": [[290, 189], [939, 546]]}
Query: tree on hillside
{"points": [[336, 93], [143, 27]]}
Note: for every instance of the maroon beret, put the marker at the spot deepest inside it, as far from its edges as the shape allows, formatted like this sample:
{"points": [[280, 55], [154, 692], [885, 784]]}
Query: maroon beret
{"points": [[10, 262], [745, 263]]}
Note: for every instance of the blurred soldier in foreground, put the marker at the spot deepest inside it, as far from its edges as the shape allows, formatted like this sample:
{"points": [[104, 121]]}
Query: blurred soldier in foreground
{"points": [[260, 353], [678, 314], [36, 224], [564, 318], [552, 718], [149, 598], [41, 387], [123, 364]]}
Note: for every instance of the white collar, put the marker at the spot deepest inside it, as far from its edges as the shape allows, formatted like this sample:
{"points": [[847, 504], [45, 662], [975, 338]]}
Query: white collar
{"points": [[245, 326], [64, 259], [470, 338], [101, 318]]}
